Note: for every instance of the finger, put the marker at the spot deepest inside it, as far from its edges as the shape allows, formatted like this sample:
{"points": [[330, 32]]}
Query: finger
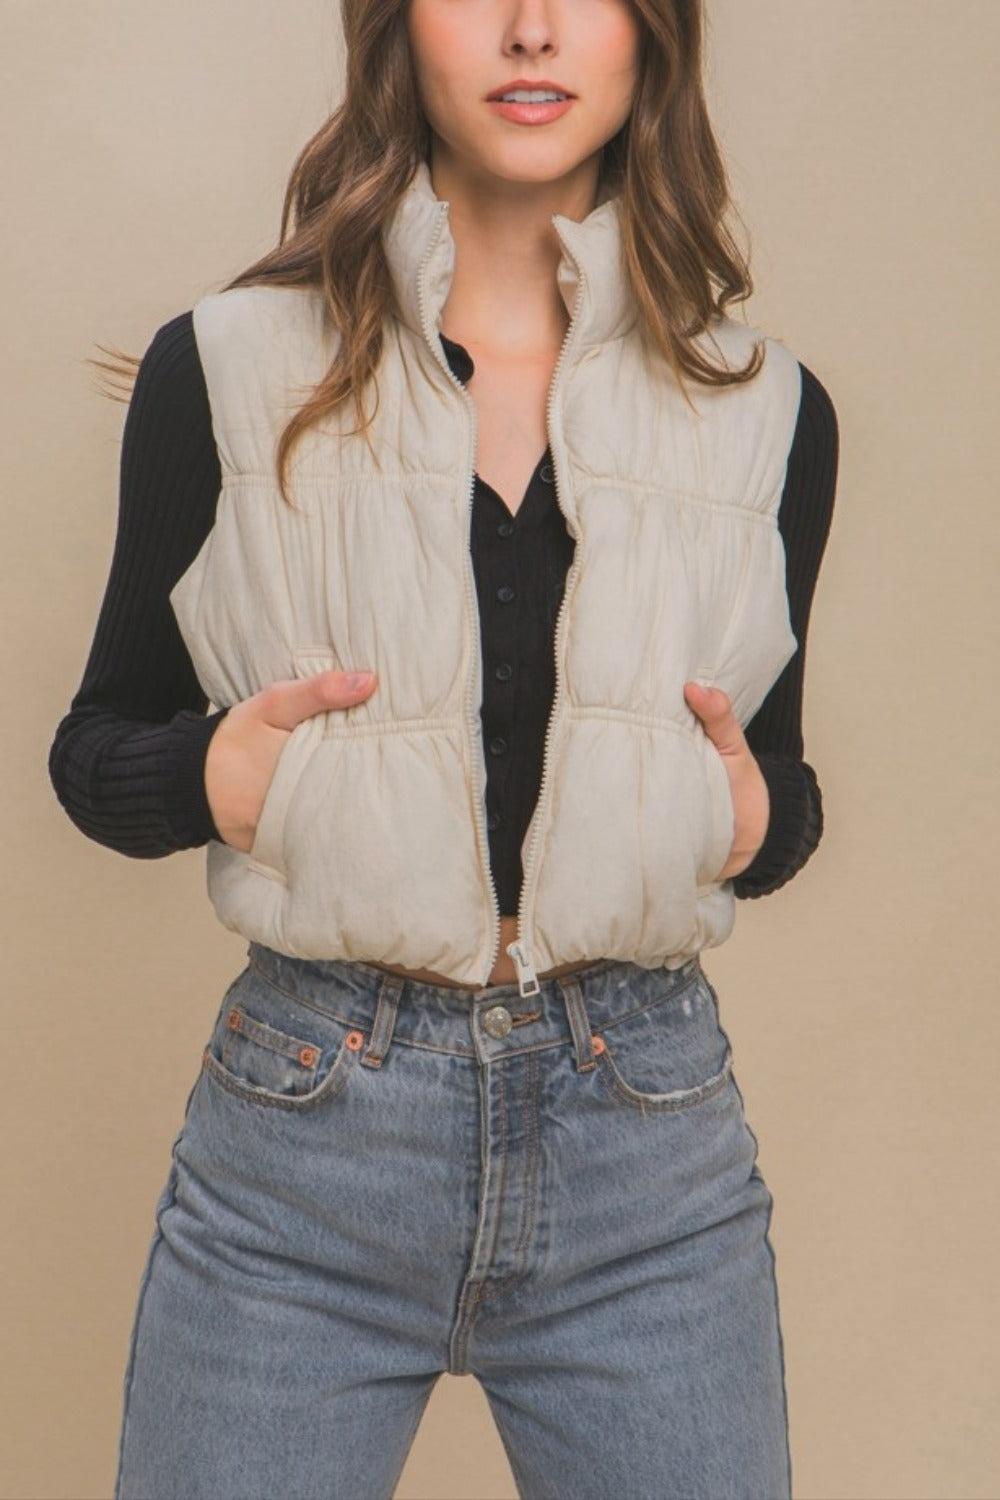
{"points": [[285, 704], [713, 708]]}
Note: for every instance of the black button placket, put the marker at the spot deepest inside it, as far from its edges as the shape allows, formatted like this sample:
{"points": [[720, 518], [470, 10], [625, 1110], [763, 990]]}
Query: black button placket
{"points": [[488, 585], [500, 638], [462, 368], [519, 564]]}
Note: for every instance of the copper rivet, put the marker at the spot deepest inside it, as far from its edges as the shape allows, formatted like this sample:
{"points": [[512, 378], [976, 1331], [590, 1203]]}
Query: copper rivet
{"points": [[307, 1056], [354, 1040], [598, 1042], [234, 1019]]}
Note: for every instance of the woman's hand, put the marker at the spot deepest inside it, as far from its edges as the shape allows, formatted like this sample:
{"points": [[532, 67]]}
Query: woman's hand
{"points": [[751, 803], [248, 740]]}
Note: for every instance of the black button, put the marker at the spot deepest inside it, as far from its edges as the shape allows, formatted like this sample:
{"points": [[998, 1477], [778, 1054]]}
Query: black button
{"points": [[498, 746], [505, 593], [545, 472], [504, 672], [506, 528], [493, 822]]}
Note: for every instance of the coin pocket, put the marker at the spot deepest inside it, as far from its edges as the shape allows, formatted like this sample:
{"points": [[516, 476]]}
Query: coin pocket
{"points": [[254, 1057]]}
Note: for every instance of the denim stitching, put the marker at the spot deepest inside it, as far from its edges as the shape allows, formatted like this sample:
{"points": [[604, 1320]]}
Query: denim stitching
{"points": [[169, 1197], [466, 1052], [668, 1103], [331, 1086], [529, 1212], [501, 1074], [263, 1034]]}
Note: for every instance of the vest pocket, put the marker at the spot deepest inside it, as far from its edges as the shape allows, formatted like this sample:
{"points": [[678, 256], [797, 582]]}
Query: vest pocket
{"points": [[720, 816], [266, 854]]}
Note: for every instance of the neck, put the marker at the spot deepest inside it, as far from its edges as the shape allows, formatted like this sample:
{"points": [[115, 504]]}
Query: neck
{"points": [[504, 298], [590, 278]]}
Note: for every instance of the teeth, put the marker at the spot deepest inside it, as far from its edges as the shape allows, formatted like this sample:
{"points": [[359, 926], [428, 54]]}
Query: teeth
{"points": [[531, 96]]}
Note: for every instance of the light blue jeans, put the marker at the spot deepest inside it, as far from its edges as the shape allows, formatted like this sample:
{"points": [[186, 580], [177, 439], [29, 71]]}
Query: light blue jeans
{"points": [[378, 1180]]}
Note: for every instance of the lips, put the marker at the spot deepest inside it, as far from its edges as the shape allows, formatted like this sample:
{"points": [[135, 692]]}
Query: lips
{"points": [[531, 114], [529, 83]]}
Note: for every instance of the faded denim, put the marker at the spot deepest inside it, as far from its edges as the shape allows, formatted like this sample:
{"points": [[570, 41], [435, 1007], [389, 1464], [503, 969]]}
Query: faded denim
{"points": [[378, 1180]]}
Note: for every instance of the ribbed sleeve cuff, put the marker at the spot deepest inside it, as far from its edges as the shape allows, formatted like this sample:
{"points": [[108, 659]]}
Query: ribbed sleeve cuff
{"points": [[185, 798], [794, 828]]}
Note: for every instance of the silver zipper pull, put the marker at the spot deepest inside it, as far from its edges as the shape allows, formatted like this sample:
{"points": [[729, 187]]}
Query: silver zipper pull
{"points": [[527, 981]]}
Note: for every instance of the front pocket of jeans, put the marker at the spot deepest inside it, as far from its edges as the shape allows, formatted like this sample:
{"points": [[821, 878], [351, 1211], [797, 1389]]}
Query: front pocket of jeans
{"points": [[296, 1065], [669, 1056]]}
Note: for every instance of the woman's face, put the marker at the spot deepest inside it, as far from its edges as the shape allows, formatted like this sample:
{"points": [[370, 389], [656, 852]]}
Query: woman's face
{"points": [[466, 50]]}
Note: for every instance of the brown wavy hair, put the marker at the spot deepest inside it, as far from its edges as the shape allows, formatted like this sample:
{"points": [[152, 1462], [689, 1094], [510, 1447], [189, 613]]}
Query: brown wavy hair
{"points": [[682, 263]]}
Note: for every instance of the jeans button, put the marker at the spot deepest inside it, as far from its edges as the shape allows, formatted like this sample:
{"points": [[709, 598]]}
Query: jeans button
{"points": [[505, 593], [497, 1021], [504, 672], [545, 472], [498, 745], [493, 822]]}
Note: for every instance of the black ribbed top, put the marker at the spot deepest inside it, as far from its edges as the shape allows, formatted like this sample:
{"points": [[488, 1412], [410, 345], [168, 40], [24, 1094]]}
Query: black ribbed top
{"points": [[127, 761]]}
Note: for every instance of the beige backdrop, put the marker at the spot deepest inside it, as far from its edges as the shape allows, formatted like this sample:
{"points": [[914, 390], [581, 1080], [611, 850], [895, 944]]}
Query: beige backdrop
{"points": [[146, 149]]}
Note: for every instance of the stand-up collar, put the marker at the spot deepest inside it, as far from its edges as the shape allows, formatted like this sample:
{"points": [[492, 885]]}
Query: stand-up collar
{"points": [[421, 255]]}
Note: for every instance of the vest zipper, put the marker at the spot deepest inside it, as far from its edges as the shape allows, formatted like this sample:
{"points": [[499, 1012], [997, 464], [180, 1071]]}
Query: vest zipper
{"points": [[472, 607], [520, 949]]}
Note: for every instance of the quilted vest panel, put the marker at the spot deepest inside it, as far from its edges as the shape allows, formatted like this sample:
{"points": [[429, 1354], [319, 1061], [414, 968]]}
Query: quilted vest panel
{"points": [[371, 842]]}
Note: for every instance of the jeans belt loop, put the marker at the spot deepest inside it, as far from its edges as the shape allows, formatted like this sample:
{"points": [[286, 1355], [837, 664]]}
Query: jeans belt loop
{"points": [[386, 1010], [579, 1023]]}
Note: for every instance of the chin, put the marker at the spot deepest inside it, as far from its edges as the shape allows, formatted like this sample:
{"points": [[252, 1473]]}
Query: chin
{"points": [[530, 164]]}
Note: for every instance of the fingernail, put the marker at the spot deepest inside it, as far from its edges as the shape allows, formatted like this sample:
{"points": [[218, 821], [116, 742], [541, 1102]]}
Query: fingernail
{"points": [[358, 680]]}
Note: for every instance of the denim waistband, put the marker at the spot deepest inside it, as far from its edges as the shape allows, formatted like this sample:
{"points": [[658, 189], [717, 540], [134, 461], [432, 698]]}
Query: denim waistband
{"points": [[449, 1019]]}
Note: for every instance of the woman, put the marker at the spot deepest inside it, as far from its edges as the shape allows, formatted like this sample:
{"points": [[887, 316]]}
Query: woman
{"points": [[496, 742]]}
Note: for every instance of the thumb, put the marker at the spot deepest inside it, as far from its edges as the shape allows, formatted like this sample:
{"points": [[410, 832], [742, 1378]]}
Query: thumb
{"points": [[713, 708], [288, 703]]}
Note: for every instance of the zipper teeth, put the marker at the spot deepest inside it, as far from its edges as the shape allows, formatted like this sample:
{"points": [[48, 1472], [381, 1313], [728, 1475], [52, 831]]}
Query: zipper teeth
{"points": [[472, 607], [529, 867]]}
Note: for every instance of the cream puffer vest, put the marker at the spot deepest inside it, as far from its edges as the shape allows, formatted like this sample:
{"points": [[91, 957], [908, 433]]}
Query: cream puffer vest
{"points": [[371, 843]]}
